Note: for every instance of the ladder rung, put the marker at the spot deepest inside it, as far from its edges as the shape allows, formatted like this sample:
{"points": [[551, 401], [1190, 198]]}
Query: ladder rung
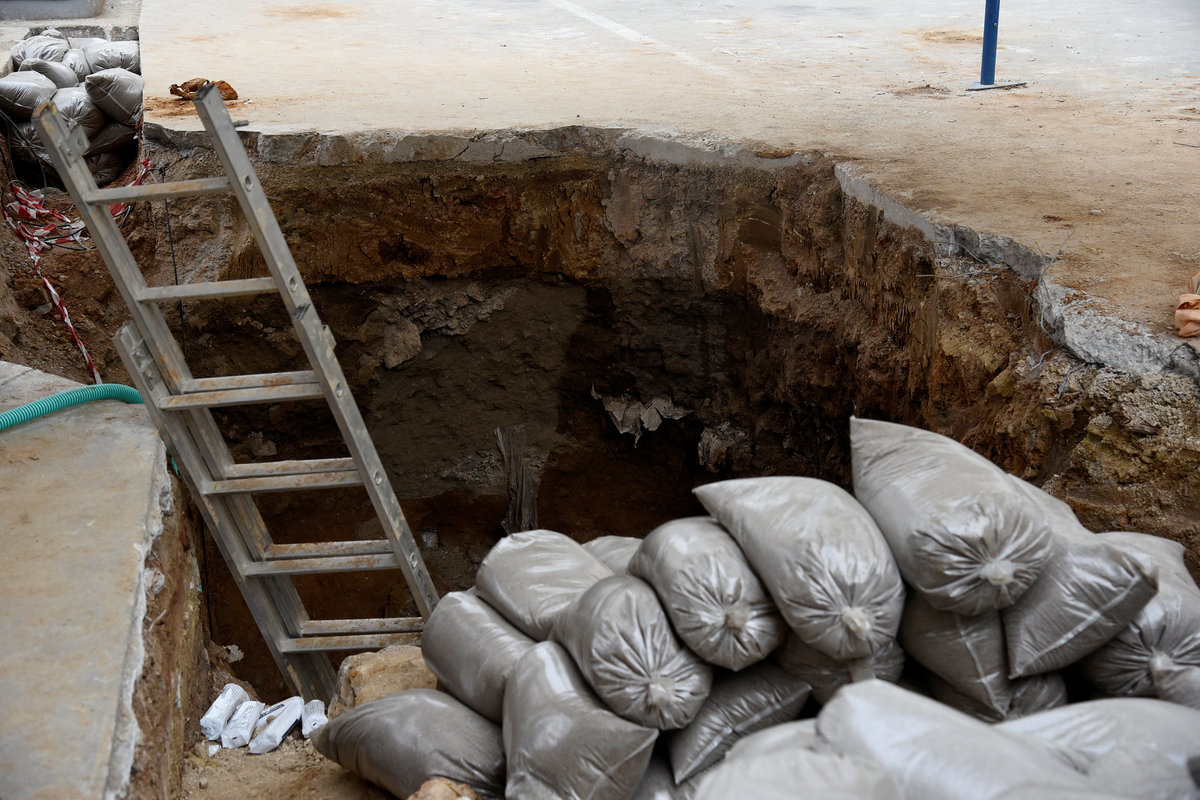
{"points": [[339, 627], [197, 187], [316, 566], [212, 290], [366, 547], [241, 397], [249, 381], [281, 483], [363, 641], [264, 468]]}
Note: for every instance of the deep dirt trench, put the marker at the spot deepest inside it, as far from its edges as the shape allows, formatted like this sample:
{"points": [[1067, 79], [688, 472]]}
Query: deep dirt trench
{"points": [[745, 299]]}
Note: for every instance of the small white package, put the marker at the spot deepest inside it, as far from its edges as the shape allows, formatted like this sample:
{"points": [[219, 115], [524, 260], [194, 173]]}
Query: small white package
{"points": [[227, 702], [274, 724], [240, 727], [312, 716]]}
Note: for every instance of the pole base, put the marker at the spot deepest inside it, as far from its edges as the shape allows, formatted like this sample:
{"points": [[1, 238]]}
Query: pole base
{"points": [[978, 87]]}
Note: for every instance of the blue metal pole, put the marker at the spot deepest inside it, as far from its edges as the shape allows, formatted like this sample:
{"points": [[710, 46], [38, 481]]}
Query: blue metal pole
{"points": [[991, 23]]}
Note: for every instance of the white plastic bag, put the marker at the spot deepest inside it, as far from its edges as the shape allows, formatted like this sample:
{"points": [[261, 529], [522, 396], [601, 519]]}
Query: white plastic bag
{"points": [[820, 556], [227, 702], [961, 532], [716, 603], [614, 551], [622, 642], [274, 723], [240, 728]]}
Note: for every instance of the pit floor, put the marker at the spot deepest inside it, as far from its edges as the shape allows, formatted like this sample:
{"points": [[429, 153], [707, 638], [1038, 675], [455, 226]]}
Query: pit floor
{"points": [[1102, 145]]}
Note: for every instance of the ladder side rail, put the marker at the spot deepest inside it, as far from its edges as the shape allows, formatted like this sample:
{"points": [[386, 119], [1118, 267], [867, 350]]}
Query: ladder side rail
{"points": [[313, 677], [316, 340]]}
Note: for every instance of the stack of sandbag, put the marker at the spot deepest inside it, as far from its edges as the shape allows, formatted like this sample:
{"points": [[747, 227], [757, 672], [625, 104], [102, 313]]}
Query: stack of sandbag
{"points": [[96, 84]]}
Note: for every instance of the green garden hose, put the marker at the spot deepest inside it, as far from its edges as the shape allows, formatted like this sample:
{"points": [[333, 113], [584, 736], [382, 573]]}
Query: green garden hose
{"points": [[74, 397]]}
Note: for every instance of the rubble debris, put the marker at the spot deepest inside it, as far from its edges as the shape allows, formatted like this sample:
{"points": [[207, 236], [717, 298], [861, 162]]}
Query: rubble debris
{"points": [[365, 677], [187, 90], [637, 418]]}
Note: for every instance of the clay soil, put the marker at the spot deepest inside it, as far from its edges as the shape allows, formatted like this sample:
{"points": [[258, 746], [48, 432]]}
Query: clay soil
{"points": [[294, 771]]}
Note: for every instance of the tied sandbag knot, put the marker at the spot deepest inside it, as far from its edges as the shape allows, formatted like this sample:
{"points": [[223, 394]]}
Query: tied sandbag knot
{"points": [[737, 617], [660, 691], [857, 620], [999, 572]]}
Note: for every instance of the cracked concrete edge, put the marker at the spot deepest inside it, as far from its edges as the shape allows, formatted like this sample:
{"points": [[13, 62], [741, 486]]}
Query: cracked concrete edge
{"points": [[1068, 315], [126, 732], [1085, 332]]}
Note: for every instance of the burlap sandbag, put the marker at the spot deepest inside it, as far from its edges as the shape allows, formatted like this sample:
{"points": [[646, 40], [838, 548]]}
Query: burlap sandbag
{"points": [[935, 752], [820, 556], [471, 649], [22, 92], [1137, 747], [533, 576], [615, 551], [740, 703], [401, 740], [1088, 592], [716, 603], [1158, 654], [562, 743], [961, 532], [826, 675], [623, 644]]}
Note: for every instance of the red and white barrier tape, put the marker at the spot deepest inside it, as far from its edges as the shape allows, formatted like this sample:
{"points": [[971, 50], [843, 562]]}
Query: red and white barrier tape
{"points": [[43, 228]]}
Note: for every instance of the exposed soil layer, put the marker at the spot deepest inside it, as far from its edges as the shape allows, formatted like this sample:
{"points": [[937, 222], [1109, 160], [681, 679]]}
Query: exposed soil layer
{"points": [[744, 307]]}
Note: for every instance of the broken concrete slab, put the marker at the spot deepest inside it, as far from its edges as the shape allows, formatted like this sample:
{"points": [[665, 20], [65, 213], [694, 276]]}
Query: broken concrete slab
{"points": [[85, 491]]}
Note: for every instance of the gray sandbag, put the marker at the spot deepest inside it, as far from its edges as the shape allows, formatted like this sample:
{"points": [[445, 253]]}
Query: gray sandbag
{"points": [[113, 55], [623, 644], [562, 743], [61, 74], [966, 652], [77, 109], [1158, 654], [820, 556], [25, 145], [615, 551], [716, 603], [799, 774], [400, 741], [46, 47], [106, 167], [934, 751], [1031, 695], [76, 60], [1088, 592], [471, 649], [118, 92], [1137, 747], [826, 675], [113, 136], [740, 703], [533, 576], [961, 532], [659, 784], [22, 92]]}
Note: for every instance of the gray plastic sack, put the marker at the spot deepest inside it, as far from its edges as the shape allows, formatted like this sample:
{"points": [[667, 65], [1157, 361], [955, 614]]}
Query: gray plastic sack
{"points": [[22, 92], [25, 145], [106, 167], [1027, 696], [400, 741], [62, 75], [799, 774], [935, 752], [623, 644], [966, 652], [1137, 747], [77, 61], [118, 92], [740, 703], [471, 649], [780, 739], [821, 557], [533, 576], [826, 675], [615, 551], [113, 55], [562, 743], [659, 784], [1158, 654], [46, 47], [961, 532], [113, 136], [716, 603], [1088, 592], [77, 109]]}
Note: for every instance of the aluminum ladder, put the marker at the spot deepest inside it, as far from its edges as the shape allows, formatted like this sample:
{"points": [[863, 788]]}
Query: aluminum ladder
{"points": [[181, 404]]}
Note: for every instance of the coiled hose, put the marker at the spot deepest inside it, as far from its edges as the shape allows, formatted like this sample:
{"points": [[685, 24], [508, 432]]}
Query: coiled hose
{"points": [[73, 397]]}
